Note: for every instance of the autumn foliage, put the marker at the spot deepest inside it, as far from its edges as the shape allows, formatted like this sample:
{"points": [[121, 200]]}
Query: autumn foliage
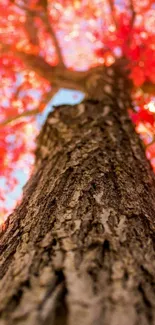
{"points": [[77, 35]]}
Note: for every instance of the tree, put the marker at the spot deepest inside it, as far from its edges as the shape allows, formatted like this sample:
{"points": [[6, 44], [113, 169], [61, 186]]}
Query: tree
{"points": [[79, 249]]}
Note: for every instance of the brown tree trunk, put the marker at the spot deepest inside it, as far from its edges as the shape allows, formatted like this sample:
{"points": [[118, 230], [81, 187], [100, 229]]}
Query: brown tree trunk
{"points": [[79, 250]]}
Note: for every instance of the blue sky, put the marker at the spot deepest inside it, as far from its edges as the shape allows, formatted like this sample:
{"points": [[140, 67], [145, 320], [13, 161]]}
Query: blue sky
{"points": [[63, 96]]}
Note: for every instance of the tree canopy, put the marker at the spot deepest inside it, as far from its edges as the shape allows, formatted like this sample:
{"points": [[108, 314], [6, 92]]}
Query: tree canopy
{"points": [[49, 45]]}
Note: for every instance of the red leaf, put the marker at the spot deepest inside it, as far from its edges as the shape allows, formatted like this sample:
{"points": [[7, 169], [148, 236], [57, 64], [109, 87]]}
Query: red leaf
{"points": [[137, 75]]}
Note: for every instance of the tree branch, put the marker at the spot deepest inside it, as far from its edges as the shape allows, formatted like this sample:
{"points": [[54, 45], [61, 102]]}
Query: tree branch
{"points": [[57, 76], [45, 19], [43, 15], [112, 8], [31, 30], [47, 97], [132, 20], [61, 77], [133, 14], [14, 118]]}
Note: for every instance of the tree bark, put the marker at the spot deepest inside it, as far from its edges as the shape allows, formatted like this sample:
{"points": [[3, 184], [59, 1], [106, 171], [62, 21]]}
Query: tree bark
{"points": [[79, 250]]}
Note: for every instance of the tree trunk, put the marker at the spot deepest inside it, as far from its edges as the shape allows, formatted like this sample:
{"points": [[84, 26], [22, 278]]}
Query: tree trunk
{"points": [[79, 250]]}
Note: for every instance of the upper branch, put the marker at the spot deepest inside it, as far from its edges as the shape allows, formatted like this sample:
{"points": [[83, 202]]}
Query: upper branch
{"points": [[133, 13], [48, 96], [31, 29], [42, 13], [61, 77], [57, 76], [112, 8], [133, 16], [32, 112], [45, 19]]}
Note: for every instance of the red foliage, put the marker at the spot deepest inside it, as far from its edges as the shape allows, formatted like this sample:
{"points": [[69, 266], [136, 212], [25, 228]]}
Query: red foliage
{"points": [[142, 115], [90, 33]]}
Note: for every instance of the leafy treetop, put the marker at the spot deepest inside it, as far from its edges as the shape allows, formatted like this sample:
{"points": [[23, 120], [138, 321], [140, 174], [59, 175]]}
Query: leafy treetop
{"points": [[46, 45]]}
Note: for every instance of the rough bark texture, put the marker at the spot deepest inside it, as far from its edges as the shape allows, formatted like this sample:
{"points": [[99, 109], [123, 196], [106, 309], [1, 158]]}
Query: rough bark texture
{"points": [[79, 250]]}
